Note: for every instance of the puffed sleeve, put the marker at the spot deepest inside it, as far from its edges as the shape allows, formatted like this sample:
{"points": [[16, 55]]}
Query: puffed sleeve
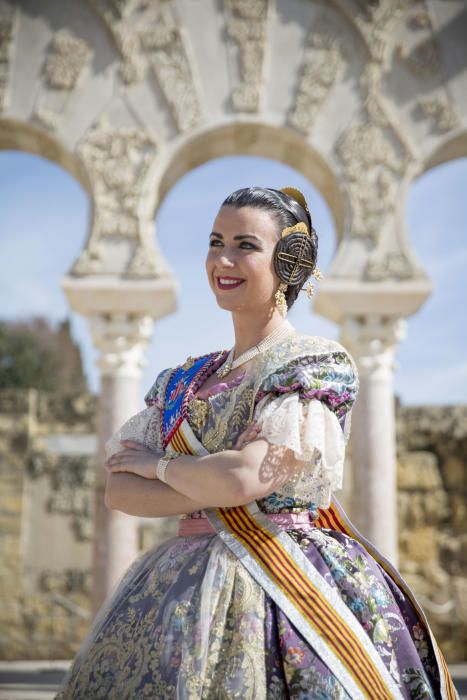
{"points": [[306, 405], [144, 426], [155, 395]]}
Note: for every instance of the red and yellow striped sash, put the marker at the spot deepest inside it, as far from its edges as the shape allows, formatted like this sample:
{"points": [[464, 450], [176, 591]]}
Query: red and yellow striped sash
{"points": [[180, 442], [280, 567], [334, 518], [320, 614]]}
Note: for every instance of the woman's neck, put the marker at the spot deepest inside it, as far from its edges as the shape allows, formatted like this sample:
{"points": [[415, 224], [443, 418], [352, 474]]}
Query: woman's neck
{"points": [[250, 331]]}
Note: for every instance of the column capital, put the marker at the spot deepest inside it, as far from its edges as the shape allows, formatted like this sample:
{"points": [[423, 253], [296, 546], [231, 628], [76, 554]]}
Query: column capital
{"points": [[338, 298], [372, 340], [122, 339]]}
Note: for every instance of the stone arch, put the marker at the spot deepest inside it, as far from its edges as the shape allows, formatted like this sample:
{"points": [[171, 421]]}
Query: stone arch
{"points": [[22, 136], [450, 149], [257, 139]]}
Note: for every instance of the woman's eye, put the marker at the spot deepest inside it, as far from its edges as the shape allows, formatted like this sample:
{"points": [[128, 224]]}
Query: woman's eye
{"points": [[250, 245]]}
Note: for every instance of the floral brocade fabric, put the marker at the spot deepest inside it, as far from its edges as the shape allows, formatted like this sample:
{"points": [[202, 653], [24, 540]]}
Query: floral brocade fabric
{"points": [[302, 399], [187, 621]]}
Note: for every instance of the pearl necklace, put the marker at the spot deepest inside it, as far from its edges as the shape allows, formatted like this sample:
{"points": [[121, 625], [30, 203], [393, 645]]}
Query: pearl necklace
{"points": [[263, 345]]}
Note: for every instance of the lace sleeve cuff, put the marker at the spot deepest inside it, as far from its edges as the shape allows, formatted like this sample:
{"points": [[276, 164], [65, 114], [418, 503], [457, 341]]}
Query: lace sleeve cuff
{"points": [[142, 427], [313, 432]]}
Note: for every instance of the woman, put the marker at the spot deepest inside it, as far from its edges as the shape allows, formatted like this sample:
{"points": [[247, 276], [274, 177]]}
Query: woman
{"points": [[268, 591]]}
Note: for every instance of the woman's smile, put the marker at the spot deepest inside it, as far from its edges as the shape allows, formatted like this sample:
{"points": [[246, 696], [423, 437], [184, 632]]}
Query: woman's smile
{"points": [[228, 282]]}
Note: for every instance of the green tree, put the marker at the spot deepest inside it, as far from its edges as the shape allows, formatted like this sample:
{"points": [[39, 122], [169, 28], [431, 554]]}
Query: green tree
{"points": [[35, 355]]}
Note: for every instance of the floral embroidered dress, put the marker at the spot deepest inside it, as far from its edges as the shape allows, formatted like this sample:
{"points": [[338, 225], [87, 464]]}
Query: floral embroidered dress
{"points": [[196, 618]]}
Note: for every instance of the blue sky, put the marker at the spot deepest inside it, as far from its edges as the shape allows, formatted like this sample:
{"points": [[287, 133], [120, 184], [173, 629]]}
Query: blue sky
{"points": [[43, 224]]}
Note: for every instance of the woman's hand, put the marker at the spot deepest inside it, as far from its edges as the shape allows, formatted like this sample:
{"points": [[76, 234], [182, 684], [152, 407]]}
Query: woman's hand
{"points": [[248, 435], [135, 458]]}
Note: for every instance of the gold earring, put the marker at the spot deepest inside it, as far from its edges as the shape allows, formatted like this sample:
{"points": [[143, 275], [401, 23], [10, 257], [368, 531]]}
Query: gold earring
{"points": [[280, 298], [309, 288]]}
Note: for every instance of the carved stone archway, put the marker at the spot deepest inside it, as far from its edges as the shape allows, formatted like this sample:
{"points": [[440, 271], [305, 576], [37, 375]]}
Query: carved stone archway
{"points": [[356, 96], [257, 139]]}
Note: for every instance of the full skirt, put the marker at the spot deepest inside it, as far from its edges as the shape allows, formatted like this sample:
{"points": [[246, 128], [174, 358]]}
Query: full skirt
{"points": [[187, 621]]}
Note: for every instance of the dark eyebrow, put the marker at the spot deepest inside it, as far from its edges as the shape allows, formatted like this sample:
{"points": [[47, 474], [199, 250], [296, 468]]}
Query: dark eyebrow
{"points": [[240, 236]]}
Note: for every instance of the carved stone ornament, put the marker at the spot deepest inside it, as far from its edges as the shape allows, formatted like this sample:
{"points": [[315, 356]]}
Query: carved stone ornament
{"points": [[375, 153], [373, 163], [440, 111], [7, 27], [122, 340], [375, 158], [91, 259], [375, 22], [144, 262], [322, 64], [47, 118], [424, 59], [118, 162], [390, 265], [166, 49], [373, 341], [68, 56], [246, 25], [146, 34]]}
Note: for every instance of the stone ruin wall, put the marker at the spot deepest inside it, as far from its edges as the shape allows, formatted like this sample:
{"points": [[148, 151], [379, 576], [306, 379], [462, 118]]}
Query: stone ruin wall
{"points": [[47, 467], [432, 517]]}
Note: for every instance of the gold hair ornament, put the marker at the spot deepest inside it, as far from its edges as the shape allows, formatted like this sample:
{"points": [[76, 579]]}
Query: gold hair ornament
{"points": [[292, 256]]}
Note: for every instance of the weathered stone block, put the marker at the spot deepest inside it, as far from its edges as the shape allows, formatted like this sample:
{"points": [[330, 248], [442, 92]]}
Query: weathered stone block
{"points": [[420, 545], [459, 585], [418, 471], [455, 472]]}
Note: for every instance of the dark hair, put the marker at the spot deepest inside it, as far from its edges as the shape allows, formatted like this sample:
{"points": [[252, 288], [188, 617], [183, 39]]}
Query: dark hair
{"points": [[287, 212]]}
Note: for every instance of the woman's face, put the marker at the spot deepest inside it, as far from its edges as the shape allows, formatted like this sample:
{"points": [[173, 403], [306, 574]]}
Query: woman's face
{"points": [[240, 252]]}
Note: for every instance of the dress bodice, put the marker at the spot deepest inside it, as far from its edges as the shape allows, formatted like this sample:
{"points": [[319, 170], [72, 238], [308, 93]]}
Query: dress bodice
{"points": [[201, 412], [300, 392]]}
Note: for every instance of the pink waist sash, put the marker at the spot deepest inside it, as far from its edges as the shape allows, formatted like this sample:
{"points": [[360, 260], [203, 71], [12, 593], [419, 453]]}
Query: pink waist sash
{"points": [[202, 526]]}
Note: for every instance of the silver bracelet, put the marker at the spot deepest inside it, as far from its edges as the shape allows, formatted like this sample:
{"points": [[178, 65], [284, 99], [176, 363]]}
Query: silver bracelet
{"points": [[161, 466]]}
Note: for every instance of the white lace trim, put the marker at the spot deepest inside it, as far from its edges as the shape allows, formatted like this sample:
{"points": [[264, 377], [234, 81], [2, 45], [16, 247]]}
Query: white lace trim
{"points": [[312, 431], [142, 427]]}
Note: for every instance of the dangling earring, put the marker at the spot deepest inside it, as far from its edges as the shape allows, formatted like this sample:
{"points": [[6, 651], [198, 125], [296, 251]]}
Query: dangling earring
{"points": [[280, 299], [309, 288]]}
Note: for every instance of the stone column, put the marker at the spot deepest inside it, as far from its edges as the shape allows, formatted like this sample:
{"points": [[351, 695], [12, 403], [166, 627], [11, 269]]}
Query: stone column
{"points": [[372, 340], [122, 284], [372, 320], [121, 315], [122, 340]]}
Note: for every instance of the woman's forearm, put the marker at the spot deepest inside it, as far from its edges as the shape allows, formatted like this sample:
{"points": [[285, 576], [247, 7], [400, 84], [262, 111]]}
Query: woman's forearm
{"points": [[218, 478], [234, 477], [147, 498]]}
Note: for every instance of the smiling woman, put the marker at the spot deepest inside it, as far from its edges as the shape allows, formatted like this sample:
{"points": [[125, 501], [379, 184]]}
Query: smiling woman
{"points": [[289, 599], [233, 256]]}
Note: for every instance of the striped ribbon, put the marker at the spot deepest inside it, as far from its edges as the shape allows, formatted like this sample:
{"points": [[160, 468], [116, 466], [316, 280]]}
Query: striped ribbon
{"points": [[311, 603], [277, 559], [335, 518]]}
